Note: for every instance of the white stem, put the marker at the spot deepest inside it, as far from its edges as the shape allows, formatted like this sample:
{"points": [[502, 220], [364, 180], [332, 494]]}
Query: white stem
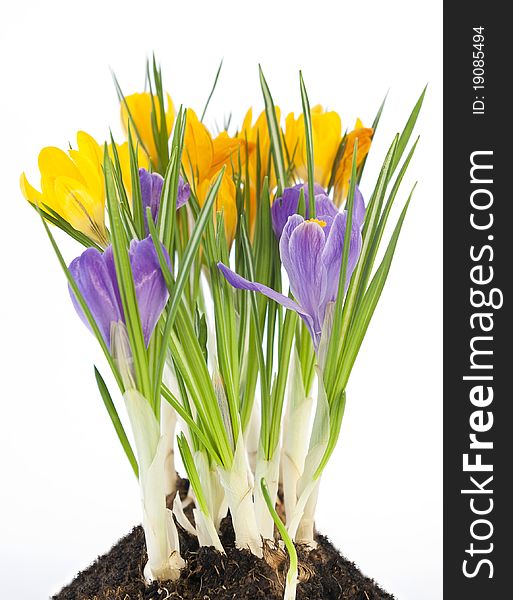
{"points": [[162, 542], [269, 470], [305, 531], [207, 534], [168, 427], [239, 495], [295, 449], [301, 523], [252, 436], [212, 488], [295, 436]]}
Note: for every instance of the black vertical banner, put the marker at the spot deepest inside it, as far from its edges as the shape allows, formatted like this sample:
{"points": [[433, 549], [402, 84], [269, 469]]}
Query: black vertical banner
{"points": [[478, 324]]}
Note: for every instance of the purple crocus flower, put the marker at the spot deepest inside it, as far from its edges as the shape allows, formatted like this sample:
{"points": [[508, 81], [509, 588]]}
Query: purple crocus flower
{"points": [[311, 252], [95, 275], [287, 205], [151, 190]]}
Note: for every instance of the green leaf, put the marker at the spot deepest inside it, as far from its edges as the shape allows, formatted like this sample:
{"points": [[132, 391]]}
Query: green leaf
{"points": [[211, 91], [337, 409], [126, 286], [204, 217], [274, 133], [137, 206], [55, 219], [116, 421], [374, 126], [368, 305], [378, 235], [307, 117], [289, 544], [334, 341], [83, 305], [407, 131], [192, 473], [189, 420]]}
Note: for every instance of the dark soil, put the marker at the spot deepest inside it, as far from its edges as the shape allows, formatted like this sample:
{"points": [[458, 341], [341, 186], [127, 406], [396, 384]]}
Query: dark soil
{"points": [[324, 574]]}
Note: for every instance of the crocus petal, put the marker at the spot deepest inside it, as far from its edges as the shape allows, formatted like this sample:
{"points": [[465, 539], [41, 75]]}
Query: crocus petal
{"points": [[324, 207], [332, 255], [184, 192], [358, 208], [93, 276], [151, 191], [241, 283], [287, 205], [150, 286], [301, 252]]}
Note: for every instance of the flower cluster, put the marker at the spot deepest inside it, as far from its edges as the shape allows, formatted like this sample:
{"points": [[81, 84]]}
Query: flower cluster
{"points": [[195, 243]]}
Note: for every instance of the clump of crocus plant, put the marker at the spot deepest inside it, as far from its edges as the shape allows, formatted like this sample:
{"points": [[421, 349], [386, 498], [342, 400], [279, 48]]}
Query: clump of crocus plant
{"points": [[194, 242]]}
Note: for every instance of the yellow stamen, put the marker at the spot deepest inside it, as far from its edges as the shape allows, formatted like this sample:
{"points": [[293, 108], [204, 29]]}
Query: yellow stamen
{"points": [[318, 221]]}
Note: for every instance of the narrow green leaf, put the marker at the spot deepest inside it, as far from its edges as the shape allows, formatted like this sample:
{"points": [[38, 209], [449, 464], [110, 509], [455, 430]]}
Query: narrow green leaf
{"points": [[368, 305], [116, 421], [192, 472], [307, 117], [126, 286], [274, 133], [407, 131], [211, 91], [374, 126], [83, 306], [334, 341], [193, 244], [289, 544]]}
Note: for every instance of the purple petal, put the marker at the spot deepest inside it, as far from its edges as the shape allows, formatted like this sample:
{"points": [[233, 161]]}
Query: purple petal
{"points": [[282, 208], [324, 207], [301, 249], [332, 254], [240, 283], [92, 273], [358, 208], [184, 192], [151, 189], [287, 205], [150, 286]]}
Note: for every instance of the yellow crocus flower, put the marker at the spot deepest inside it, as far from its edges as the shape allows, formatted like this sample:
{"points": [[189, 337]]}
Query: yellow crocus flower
{"points": [[137, 109], [202, 158], [72, 184]]}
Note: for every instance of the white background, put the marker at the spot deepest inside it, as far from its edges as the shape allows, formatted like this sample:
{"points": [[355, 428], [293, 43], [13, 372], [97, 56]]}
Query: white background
{"points": [[67, 492]]}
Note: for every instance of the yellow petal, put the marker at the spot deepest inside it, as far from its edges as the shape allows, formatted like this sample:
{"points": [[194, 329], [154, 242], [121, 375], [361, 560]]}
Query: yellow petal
{"points": [[198, 152], [124, 161], [80, 208], [30, 193], [225, 203], [140, 108], [226, 151], [54, 162], [344, 168], [326, 133]]}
